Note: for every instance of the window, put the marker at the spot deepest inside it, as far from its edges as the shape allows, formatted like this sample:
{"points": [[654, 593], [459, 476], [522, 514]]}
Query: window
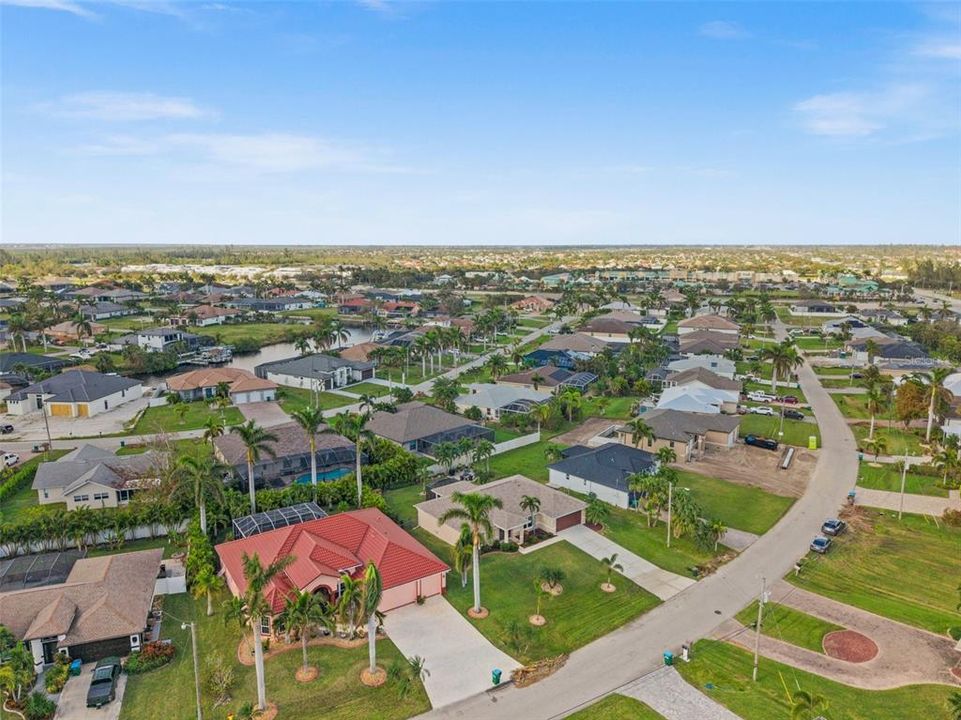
{"points": [[529, 523], [101, 496], [45, 495], [105, 405], [265, 625], [81, 498]]}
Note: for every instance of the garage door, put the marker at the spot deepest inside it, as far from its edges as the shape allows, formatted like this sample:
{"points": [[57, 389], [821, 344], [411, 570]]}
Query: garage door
{"points": [[567, 521]]}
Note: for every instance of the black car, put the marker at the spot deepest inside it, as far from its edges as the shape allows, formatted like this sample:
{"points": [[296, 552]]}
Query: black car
{"points": [[6, 429], [761, 442], [833, 527], [103, 684], [794, 414]]}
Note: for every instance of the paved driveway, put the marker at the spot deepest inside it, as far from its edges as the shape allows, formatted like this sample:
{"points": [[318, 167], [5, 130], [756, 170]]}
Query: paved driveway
{"points": [[649, 576], [458, 657], [73, 700], [265, 414]]}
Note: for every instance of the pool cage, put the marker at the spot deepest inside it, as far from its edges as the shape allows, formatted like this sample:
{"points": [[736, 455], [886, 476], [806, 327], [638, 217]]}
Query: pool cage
{"points": [[278, 518]]}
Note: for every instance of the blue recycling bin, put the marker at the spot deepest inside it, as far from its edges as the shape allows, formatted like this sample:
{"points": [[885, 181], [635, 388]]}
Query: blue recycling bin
{"points": [[668, 657], [496, 676], [75, 667]]}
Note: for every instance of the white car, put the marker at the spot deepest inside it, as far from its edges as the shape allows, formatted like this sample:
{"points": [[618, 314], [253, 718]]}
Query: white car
{"points": [[761, 411], [10, 459], [757, 396]]}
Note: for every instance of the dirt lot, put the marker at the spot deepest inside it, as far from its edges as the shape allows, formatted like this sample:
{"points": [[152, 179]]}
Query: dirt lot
{"points": [[752, 466], [586, 430]]}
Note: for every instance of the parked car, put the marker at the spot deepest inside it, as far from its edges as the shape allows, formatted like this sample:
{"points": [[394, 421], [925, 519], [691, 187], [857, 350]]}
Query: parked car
{"points": [[789, 399], [762, 410], [834, 527], [758, 396], [857, 375], [10, 459], [794, 414], [761, 442], [820, 544], [103, 685], [6, 429]]}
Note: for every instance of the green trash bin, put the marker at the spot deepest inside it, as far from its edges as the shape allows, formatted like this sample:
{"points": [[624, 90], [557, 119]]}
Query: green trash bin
{"points": [[496, 676], [668, 657]]}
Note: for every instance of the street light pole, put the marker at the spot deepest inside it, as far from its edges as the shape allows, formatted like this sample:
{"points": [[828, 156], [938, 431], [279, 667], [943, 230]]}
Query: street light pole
{"points": [[904, 475], [670, 499], [193, 643], [757, 633]]}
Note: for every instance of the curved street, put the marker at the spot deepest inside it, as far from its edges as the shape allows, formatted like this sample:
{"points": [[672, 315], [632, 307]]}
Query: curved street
{"points": [[635, 649]]}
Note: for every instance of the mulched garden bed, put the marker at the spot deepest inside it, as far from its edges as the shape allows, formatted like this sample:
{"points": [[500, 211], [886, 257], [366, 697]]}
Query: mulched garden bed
{"points": [[849, 646]]}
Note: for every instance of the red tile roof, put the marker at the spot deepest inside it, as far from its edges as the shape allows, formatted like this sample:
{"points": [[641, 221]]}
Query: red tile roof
{"points": [[332, 546]]}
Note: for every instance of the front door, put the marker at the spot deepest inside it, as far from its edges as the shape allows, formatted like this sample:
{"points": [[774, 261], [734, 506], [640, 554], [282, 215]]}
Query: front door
{"points": [[49, 650]]}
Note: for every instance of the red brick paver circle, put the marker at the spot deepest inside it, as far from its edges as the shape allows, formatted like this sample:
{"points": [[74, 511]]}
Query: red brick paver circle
{"points": [[850, 646]]}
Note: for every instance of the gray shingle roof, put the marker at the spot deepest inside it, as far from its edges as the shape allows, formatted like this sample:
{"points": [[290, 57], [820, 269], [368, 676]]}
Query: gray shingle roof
{"points": [[77, 386], [310, 366], [413, 421], [610, 464], [291, 441], [702, 375], [669, 424], [89, 464]]}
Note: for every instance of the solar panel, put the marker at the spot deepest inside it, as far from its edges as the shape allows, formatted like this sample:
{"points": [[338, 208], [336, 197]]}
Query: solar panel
{"points": [[277, 518]]}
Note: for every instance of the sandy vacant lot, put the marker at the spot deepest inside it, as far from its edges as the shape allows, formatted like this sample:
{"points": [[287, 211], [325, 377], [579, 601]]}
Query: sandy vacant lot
{"points": [[752, 466]]}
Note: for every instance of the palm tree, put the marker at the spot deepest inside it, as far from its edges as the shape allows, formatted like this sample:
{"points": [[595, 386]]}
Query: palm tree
{"points": [[955, 702], [666, 455], [784, 359], [553, 452], [302, 345], [304, 611], [256, 440], [249, 608], [497, 364], [206, 583], [354, 426], [717, 532], [445, 391], [213, 428], [542, 413], [536, 380], [83, 326], [610, 567], [460, 554], [474, 510], [17, 326], [936, 392], [195, 477], [876, 400], [312, 421], [571, 401], [640, 430], [482, 451], [876, 445], [596, 511], [532, 504], [806, 705], [349, 603], [373, 591]]}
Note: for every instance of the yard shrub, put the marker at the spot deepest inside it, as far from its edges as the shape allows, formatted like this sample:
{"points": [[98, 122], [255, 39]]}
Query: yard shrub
{"points": [[55, 678], [152, 656], [39, 707]]}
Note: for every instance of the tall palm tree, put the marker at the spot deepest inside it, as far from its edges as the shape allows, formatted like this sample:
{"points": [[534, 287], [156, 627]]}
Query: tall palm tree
{"points": [[482, 451], [933, 381], [249, 608], [17, 326], [532, 504], [349, 603], [640, 430], [460, 553], [256, 441], [213, 428], [542, 413], [474, 510], [877, 398], [304, 611], [571, 400], [876, 445], [312, 421], [195, 477], [205, 584], [372, 593], [354, 426], [83, 326], [784, 359]]}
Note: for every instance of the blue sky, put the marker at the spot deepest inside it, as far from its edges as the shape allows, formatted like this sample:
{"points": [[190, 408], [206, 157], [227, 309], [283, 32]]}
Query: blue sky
{"points": [[480, 123]]}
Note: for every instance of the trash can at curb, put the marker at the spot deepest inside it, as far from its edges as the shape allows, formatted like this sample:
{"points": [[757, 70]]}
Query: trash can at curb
{"points": [[668, 657], [496, 676]]}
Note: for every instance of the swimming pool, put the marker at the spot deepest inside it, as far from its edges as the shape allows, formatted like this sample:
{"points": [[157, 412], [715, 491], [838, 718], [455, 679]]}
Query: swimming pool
{"points": [[324, 476]]}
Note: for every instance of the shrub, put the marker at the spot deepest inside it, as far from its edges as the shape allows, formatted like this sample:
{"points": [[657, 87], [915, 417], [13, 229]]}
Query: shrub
{"points": [[55, 678], [152, 656], [508, 547], [39, 707]]}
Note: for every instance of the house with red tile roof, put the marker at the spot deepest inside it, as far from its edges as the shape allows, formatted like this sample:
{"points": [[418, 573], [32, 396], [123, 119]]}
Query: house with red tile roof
{"points": [[328, 548]]}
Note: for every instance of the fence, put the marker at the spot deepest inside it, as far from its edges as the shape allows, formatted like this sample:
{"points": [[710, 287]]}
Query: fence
{"points": [[517, 442]]}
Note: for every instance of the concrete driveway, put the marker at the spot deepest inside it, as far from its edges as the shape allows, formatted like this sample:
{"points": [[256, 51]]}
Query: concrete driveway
{"points": [[458, 657], [265, 414], [73, 700]]}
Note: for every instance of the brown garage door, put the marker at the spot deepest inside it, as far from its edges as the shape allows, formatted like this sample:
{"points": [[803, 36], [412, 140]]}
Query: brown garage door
{"points": [[566, 521]]}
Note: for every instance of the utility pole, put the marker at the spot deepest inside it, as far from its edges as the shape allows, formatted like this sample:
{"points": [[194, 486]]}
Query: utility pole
{"points": [[193, 643], [670, 499], [904, 475], [46, 420], [757, 632]]}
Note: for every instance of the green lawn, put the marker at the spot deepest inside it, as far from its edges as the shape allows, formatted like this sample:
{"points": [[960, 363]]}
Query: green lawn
{"points": [[502, 434], [528, 460], [839, 381], [26, 496], [723, 672], [616, 707], [166, 418], [368, 388], [784, 313], [534, 323], [817, 343], [899, 441], [796, 432], [737, 506], [629, 529], [134, 545], [831, 370], [852, 405], [292, 399], [907, 571], [615, 408], [169, 691], [313, 313], [261, 333], [789, 625], [743, 367], [401, 503], [129, 322], [582, 613], [888, 477]]}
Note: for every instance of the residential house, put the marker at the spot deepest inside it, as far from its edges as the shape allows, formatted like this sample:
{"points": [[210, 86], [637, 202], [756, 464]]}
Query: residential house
{"points": [[205, 316], [558, 511], [75, 394], [580, 343], [496, 400], [687, 433], [700, 377], [242, 386], [883, 316], [697, 397], [717, 364], [326, 549], [710, 323], [887, 350], [105, 310], [100, 610], [814, 308], [288, 460], [66, 332], [11, 362], [706, 341], [604, 471], [549, 377], [361, 352], [355, 306], [316, 372], [93, 477], [160, 339], [269, 305], [107, 295], [533, 305], [419, 427], [618, 325]]}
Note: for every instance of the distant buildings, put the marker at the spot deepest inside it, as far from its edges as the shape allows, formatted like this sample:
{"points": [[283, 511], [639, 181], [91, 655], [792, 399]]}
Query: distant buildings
{"points": [[316, 371]]}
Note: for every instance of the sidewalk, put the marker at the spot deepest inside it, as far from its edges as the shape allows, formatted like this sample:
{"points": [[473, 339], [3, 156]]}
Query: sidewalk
{"points": [[673, 697], [915, 504]]}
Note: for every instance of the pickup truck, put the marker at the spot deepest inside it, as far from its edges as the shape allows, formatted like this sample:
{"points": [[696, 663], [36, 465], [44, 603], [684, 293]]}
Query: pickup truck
{"points": [[758, 396], [103, 684], [761, 442]]}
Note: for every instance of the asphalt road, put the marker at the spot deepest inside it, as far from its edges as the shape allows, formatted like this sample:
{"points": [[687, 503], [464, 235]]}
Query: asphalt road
{"points": [[635, 649]]}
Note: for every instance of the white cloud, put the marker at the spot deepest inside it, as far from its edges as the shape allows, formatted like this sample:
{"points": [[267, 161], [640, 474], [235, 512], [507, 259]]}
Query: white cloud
{"points": [[861, 114], [945, 50], [723, 30], [124, 107], [67, 6], [120, 145]]}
